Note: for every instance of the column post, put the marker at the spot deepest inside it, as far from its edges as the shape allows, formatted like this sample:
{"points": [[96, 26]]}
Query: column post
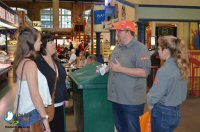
{"points": [[55, 4], [142, 31], [98, 48]]}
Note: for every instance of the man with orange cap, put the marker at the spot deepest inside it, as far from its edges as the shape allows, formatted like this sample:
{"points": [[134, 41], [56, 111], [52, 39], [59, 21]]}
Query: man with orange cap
{"points": [[129, 67]]}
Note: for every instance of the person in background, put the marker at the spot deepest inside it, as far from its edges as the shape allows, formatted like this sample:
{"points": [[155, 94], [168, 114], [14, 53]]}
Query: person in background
{"points": [[81, 60], [70, 46], [34, 94], [155, 64], [170, 85], [155, 58], [59, 49], [81, 46], [49, 65], [72, 58], [129, 67], [91, 59]]}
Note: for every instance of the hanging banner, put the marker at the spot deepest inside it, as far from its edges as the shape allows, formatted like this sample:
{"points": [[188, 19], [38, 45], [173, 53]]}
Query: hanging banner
{"points": [[110, 13], [99, 16]]}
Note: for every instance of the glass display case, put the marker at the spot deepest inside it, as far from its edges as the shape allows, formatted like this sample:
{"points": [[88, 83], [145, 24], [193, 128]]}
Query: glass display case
{"points": [[5, 65], [11, 49]]}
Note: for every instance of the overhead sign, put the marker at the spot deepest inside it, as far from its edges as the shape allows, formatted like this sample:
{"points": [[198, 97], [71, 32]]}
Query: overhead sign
{"points": [[10, 17], [2, 13], [6, 15], [171, 13], [110, 12], [99, 16]]}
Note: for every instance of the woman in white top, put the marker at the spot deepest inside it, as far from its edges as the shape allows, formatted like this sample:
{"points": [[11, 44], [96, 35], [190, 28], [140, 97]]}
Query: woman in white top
{"points": [[72, 58], [30, 99]]}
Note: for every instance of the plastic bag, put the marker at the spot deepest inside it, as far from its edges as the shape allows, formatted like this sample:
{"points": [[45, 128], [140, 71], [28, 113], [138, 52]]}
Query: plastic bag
{"points": [[102, 69], [145, 122]]}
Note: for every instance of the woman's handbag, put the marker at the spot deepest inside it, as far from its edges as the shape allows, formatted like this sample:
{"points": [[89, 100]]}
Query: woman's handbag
{"points": [[145, 122], [50, 110]]}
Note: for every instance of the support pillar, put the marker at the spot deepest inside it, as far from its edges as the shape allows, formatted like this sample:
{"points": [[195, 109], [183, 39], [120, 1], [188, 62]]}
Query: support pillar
{"points": [[98, 48], [92, 30], [55, 4], [142, 31], [112, 37]]}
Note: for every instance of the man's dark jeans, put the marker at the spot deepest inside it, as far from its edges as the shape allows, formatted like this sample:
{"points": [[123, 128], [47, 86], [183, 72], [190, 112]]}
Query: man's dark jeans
{"points": [[126, 117]]}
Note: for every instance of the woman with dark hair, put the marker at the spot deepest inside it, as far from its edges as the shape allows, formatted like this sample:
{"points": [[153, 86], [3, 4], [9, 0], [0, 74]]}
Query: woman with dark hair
{"points": [[170, 85], [50, 66], [32, 95]]}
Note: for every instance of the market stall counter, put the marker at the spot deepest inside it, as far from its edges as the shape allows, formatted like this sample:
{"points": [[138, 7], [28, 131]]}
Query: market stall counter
{"points": [[92, 110], [4, 69]]}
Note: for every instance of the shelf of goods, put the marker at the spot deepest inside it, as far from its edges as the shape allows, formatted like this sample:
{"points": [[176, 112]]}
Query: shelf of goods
{"points": [[105, 50], [78, 37], [95, 43], [11, 49]]}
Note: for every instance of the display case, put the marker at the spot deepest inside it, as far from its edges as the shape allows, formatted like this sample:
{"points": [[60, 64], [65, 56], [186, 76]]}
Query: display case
{"points": [[95, 43], [105, 50], [5, 67], [78, 37], [11, 49]]}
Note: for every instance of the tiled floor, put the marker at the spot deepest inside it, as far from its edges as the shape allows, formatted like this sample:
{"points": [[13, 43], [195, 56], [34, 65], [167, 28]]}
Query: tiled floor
{"points": [[190, 109]]}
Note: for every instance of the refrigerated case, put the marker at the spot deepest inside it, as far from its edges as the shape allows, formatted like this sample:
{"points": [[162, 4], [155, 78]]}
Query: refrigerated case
{"points": [[9, 22], [5, 67], [11, 49]]}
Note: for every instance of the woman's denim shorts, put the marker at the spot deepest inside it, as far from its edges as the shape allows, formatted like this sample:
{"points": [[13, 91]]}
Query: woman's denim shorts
{"points": [[28, 119]]}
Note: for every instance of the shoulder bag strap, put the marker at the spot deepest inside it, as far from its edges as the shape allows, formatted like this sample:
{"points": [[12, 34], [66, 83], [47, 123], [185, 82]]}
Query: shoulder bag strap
{"points": [[20, 86], [55, 85]]}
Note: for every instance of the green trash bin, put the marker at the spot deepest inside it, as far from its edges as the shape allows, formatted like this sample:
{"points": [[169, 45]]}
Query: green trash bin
{"points": [[92, 110]]}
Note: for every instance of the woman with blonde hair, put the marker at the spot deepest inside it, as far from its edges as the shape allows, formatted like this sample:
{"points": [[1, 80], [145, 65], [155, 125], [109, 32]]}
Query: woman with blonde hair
{"points": [[170, 85], [32, 96]]}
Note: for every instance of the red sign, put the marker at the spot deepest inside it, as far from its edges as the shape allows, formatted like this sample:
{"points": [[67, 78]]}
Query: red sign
{"points": [[10, 17], [7, 15], [2, 13]]}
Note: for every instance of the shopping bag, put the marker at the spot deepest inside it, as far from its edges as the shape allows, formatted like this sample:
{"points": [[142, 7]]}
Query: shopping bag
{"points": [[145, 122]]}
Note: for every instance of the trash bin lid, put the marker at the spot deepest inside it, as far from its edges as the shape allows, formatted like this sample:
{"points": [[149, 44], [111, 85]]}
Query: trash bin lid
{"points": [[87, 77]]}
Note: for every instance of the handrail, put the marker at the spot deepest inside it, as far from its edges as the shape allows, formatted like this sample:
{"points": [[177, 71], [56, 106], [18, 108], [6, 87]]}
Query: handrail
{"points": [[194, 85], [194, 60]]}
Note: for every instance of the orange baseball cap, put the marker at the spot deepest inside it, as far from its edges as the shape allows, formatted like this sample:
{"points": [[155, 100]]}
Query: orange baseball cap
{"points": [[125, 25]]}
